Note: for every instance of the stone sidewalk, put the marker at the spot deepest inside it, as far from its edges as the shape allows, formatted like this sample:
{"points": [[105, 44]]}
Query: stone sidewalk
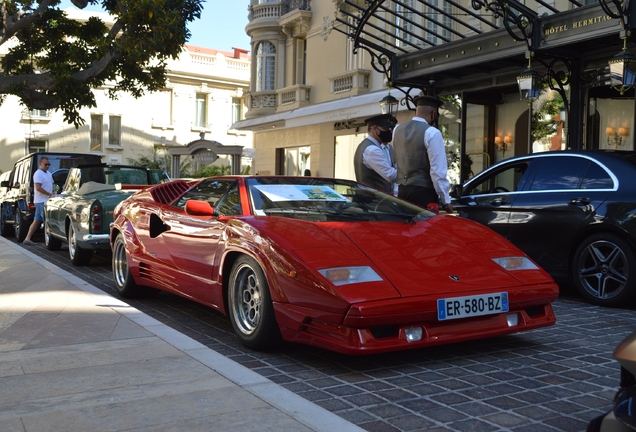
{"points": [[73, 358]]}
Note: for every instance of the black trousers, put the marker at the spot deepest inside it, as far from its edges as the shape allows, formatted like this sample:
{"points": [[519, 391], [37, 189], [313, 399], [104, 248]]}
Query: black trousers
{"points": [[418, 195]]}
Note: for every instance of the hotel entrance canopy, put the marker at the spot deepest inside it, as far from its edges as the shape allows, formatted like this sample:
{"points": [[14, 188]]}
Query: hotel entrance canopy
{"points": [[453, 46]]}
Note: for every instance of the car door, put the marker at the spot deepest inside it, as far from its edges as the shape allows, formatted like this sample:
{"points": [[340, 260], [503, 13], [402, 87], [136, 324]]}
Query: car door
{"points": [[56, 206], [564, 191], [144, 216], [488, 197], [193, 241]]}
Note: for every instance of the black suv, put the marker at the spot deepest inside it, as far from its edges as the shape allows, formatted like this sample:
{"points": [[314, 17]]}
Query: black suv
{"points": [[17, 207]]}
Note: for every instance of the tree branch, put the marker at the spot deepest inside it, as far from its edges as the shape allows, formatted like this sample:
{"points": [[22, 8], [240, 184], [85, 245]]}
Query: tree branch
{"points": [[29, 88], [21, 21], [100, 65], [96, 67], [43, 81], [37, 100]]}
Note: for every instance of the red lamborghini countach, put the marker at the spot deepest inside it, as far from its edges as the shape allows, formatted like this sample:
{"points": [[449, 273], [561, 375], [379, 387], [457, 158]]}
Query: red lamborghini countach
{"points": [[326, 262]]}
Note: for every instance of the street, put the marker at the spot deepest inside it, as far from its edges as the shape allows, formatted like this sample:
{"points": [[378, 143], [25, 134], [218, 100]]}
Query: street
{"points": [[552, 379]]}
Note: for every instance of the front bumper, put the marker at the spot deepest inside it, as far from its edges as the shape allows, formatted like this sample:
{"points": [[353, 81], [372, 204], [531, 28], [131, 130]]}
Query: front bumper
{"points": [[385, 332]]}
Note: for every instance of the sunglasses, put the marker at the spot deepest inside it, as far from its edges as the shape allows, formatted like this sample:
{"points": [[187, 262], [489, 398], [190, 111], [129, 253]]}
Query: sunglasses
{"points": [[47, 164]]}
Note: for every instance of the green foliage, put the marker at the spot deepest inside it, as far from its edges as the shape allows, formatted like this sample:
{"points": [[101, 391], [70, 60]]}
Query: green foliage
{"points": [[454, 101], [160, 160], [453, 157], [213, 170], [57, 61], [543, 115]]}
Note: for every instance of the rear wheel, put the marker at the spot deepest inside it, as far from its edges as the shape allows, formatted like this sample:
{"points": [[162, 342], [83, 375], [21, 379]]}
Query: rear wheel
{"points": [[52, 243], [124, 282], [250, 305], [21, 227], [604, 270], [79, 256]]}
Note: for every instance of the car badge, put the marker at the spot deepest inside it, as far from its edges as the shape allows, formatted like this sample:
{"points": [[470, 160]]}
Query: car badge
{"points": [[455, 278]]}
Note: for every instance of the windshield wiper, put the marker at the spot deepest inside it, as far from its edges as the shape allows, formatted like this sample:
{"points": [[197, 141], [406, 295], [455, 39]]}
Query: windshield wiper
{"points": [[408, 219], [364, 215], [316, 210]]}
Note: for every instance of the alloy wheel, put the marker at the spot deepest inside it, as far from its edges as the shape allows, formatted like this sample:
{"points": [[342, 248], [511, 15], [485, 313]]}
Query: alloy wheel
{"points": [[246, 299], [120, 264], [603, 269]]}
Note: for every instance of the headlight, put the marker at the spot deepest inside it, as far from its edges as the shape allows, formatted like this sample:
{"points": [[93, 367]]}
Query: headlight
{"points": [[350, 275], [515, 263]]}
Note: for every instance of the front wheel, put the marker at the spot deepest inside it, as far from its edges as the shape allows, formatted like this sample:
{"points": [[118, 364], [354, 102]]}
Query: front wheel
{"points": [[78, 256], [250, 305], [604, 270], [5, 229], [52, 243]]}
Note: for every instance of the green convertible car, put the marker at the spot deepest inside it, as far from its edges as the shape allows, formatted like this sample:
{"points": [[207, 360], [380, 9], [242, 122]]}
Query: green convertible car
{"points": [[81, 214]]}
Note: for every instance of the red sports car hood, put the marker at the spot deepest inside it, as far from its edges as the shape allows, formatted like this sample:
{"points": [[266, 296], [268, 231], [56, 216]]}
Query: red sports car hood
{"points": [[414, 258], [418, 258]]}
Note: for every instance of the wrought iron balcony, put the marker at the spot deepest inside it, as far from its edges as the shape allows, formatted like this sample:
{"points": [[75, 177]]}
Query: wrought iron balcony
{"points": [[287, 6]]}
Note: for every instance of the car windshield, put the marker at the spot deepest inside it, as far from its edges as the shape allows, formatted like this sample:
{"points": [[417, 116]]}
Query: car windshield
{"points": [[328, 200], [112, 175]]}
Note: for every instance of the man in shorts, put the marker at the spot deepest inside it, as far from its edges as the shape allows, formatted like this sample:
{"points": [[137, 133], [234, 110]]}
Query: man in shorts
{"points": [[43, 182]]}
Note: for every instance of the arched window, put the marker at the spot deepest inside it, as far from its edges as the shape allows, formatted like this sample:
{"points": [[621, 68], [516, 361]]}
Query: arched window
{"points": [[265, 66]]}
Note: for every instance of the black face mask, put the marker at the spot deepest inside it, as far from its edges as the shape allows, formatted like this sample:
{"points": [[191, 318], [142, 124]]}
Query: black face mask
{"points": [[386, 136]]}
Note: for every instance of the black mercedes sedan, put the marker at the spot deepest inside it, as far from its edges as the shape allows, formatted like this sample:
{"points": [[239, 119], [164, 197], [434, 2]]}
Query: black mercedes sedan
{"points": [[572, 212]]}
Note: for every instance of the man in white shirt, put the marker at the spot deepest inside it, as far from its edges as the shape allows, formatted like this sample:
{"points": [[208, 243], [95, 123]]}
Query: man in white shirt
{"points": [[421, 157], [43, 184], [373, 161]]}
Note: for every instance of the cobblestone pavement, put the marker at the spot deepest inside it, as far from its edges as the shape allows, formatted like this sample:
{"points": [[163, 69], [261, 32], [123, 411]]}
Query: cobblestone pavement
{"points": [[552, 379]]}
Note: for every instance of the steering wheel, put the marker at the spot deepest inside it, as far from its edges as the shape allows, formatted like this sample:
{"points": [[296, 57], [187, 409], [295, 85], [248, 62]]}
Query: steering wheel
{"points": [[498, 189], [377, 206], [347, 205]]}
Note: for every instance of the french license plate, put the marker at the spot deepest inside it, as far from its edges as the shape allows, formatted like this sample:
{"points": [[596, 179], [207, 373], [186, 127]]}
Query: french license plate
{"points": [[470, 306]]}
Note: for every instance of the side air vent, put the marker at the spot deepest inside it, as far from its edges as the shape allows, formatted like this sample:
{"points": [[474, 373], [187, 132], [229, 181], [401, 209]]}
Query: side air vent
{"points": [[159, 277], [166, 193]]}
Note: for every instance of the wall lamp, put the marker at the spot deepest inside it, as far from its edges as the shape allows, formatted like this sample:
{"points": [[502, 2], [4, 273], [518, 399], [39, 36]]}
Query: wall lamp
{"points": [[503, 144], [614, 137]]}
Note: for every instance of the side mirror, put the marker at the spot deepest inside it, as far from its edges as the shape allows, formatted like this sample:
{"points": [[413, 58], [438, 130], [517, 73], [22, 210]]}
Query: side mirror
{"points": [[4, 184], [455, 191], [199, 208]]}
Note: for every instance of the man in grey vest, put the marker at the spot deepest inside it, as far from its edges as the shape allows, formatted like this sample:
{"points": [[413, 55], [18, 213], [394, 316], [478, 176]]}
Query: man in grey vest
{"points": [[421, 157], [374, 160]]}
